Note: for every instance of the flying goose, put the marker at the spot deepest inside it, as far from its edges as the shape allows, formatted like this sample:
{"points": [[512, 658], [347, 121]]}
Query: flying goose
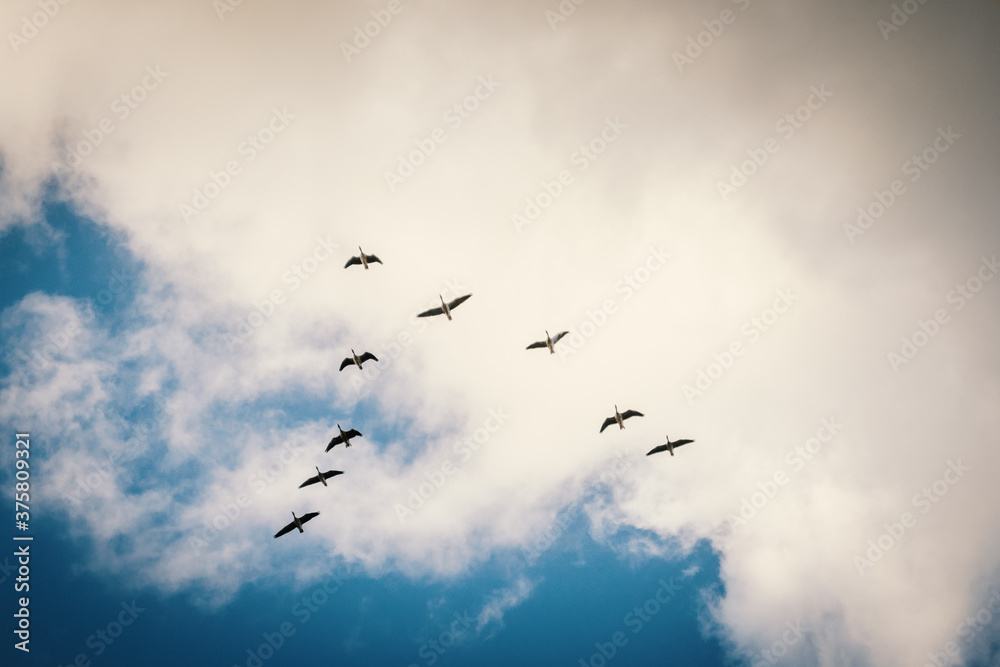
{"points": [[445, 307], [548, 342], [321, 477], [619, 418], [669, 447], [362, 259], [344, 437], [296, 523], [356, 360]]}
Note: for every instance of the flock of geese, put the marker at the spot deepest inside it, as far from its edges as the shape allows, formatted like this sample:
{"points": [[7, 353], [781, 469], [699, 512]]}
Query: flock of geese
{"points": [[344, 437]]}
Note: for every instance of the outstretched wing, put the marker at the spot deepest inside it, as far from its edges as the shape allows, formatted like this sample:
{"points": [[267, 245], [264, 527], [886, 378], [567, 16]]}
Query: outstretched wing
{"points": [[353, 433], [681, 442], [459, 301], [432, 311], [657, 450], [540, 343], [632, 413], [284, 530], [332, 473], [352, 261], [555, 339], [312, 480], [337, 440], [608, 422], [373, 258], [346, 362], [366, 356], [307, 517]]}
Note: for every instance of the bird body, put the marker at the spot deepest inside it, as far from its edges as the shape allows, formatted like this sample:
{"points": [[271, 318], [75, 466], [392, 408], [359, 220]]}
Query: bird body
{"points": [[549, 342], [296, 523], [619, 417], [344, 438], [356, 360], [362, 259], [668, 447], [321, 477], [445, 308]]}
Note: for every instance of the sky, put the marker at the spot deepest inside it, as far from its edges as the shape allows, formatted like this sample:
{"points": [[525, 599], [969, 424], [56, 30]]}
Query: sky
{"points": [[771, 228]]}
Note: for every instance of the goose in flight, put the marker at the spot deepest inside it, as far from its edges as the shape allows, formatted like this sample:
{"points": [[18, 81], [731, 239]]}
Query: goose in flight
{"points": [[619, 418], [548, 342], [445, 308], [362, 259], [297, 522], [321, 477], [669, 447], [344, 437], [356, 360]]}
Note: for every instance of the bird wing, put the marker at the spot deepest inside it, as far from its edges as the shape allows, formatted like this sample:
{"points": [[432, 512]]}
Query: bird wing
{"points": [[337, 440], [459, 301], [540, 343], [307, 517], [373, 258], [368, 355], [681, 442], [632, 413], [432, 311], [284, 530], [353, 433], [555, 339], [332, 473], [608, 422], [657, 450], [352, 261], [346, 362], [311, 480]]}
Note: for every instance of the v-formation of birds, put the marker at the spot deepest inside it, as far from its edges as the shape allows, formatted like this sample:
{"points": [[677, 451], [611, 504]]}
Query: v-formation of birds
{"points": [[344, 437]]}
